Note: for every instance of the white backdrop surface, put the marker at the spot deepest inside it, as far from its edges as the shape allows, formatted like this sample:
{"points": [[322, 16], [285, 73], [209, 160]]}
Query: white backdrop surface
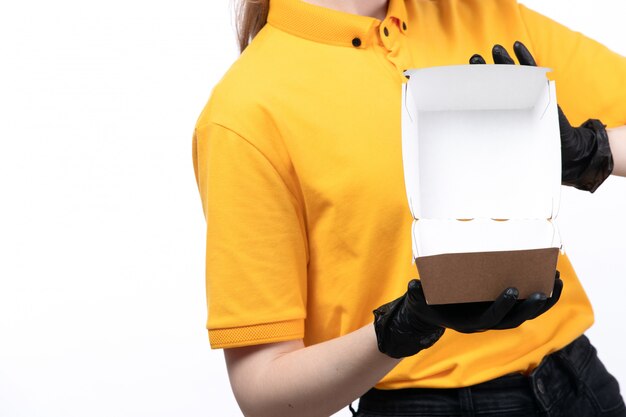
{"points": [[102, 305]]}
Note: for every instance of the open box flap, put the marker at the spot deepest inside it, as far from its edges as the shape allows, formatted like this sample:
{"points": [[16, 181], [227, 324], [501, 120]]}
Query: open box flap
{"points": [[447, 147], [476, 87], [433, 237]]}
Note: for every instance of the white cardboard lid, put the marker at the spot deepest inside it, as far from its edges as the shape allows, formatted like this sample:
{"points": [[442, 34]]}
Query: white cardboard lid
{"points": [[481, 141], [477, 87]]}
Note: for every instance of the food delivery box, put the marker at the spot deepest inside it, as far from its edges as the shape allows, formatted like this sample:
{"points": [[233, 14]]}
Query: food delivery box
{"points": [[482, 168]]}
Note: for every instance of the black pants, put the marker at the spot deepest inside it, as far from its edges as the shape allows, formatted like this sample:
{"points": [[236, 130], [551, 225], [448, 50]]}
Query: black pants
{"points": [[570, 383]]}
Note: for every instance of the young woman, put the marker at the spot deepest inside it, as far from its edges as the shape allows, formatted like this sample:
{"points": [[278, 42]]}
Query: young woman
{"points": [[298, 161]]}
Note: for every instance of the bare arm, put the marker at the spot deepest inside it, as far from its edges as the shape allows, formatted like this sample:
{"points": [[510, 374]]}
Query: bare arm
{"points": [[617, 141], [287, 379]]}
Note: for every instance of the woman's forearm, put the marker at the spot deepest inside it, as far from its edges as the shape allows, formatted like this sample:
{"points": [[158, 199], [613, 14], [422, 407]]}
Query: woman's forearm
{"points": [[288, 379], [617, 141]]}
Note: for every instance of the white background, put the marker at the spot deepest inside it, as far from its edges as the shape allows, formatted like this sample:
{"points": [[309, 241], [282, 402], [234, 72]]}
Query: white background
{"points": [[102, 305]]}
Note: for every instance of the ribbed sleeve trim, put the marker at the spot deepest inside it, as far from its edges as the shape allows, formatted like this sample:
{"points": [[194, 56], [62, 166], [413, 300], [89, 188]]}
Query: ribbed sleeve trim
{"points": [[256, 334]]}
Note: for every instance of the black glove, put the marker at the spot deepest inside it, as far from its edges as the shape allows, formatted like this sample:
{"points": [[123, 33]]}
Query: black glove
{"points": [[586, 157], [408, 325]]}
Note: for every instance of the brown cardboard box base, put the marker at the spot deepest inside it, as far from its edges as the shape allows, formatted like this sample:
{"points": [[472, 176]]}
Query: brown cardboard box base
{"points": [[482, 276]]}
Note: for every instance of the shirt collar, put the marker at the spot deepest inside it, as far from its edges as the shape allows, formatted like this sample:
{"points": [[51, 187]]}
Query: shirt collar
{"points": [[331, 26]]}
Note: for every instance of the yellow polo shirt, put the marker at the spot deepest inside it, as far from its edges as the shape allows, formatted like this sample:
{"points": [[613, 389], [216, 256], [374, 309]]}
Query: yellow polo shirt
{"points": [[298, 161]]}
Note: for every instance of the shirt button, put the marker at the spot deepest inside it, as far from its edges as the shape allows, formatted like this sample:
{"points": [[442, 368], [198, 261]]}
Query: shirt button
{"points": [[356, 42], [386, 31], [404, 25]]}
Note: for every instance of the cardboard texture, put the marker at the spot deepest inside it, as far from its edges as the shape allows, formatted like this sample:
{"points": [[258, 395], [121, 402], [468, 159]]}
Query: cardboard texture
{"points": [[482, 169], [487, 274]]}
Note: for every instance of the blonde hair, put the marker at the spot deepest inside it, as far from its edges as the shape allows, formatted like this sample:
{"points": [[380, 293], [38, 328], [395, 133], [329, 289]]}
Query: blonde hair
{"points": [[250, 17]]}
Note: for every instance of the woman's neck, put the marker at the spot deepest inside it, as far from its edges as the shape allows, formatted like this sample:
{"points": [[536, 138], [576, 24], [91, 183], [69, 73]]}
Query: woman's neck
{"points": [[372, 8]]}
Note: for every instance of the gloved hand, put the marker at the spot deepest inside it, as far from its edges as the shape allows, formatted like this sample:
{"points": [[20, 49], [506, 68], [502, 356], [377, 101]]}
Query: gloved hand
{"points": [[407, 325], [586, 157]]}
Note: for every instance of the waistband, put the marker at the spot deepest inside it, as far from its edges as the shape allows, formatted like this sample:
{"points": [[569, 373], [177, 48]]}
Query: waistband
{"points": [[557, 374]]}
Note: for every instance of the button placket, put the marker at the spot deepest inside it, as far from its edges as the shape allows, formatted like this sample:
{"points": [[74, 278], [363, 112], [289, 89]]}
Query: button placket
{"points": [[392, 59], [390, 46], [388, 32]]}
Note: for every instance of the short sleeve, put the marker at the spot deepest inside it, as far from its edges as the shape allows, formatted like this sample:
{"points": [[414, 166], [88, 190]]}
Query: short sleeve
{"points": [[256, 253], [590, 78]]}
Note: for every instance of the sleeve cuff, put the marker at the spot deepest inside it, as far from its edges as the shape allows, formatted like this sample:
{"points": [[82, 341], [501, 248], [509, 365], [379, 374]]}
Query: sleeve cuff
{"points": [[256, 334]]}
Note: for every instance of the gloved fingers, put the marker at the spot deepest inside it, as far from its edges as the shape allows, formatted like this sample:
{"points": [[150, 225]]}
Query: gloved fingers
{"points": [[558, 288], [477, 59], [462, 317], [499, 308], [571, 149], [564, 124], [556, 294], [475, 317], [525, 310], [415, 291], [438, 315], [501, 56], [417, 303], [523, 54]]}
